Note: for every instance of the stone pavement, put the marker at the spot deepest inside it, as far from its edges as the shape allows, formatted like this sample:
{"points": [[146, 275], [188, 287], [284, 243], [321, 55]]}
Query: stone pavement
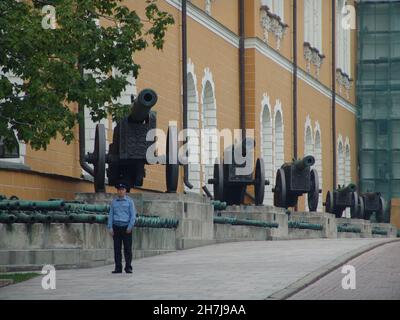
{"points": [[377, 278], [234, 271]]}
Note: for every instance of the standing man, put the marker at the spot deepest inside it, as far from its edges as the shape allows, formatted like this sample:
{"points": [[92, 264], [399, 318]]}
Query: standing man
{"points": [[121, 219]]}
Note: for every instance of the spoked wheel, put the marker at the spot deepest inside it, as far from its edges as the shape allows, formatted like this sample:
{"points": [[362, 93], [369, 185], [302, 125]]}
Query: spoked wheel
{"points": [[313, 195], [218, 181], [259, 183], [380, 212], [329, 202], [172, 165], [361, 209], [99, 159], [280, 190], [355, 206]]}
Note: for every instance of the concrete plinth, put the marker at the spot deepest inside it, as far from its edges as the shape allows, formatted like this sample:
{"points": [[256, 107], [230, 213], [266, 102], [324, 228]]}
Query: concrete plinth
{"points": [[389, 228], [75, 245], [265, 213], [195, 213], [364, 225], [327, 220]]}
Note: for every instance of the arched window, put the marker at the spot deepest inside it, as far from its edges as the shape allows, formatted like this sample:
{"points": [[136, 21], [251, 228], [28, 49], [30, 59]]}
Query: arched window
{"points": [[279, 146], [347, 161], [10, 152], [340, 165], [17, 151], [318, 162], [308, 147], [267, 148], [193, 134], [209, 125]]}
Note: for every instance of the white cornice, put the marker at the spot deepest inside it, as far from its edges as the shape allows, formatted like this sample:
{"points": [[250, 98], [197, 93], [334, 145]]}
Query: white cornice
{"points": [[255, 43], [207, 21], [267, 51]]}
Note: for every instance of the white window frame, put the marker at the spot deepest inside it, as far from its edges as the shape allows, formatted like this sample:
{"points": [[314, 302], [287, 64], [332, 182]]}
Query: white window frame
{"points": [[276, 7], [313, 23]]}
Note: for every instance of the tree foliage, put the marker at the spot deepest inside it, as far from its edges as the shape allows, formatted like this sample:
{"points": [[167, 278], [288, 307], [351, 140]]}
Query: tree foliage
{"points": [[69, 65]]}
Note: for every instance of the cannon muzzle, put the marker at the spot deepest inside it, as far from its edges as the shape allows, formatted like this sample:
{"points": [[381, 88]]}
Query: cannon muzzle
{"points": [[350, 188], [142, 105], [304, 163]]}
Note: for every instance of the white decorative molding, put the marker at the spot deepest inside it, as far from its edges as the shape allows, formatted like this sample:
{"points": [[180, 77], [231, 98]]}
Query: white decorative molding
{"points": [[344, 81], [208, 77], [267, 146], [313, 56], [255, 43], [279, 139], [271, 22], [193, 135], [208, 22], [209, 121], [267, 51]]}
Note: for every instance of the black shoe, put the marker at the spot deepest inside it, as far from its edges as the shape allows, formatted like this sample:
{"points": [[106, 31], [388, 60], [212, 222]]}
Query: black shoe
{"points": [[128, 270], [117, 271]]}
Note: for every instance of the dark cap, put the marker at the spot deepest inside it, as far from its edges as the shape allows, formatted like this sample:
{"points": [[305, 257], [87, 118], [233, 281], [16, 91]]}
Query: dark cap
{"points": [[121, 186]]}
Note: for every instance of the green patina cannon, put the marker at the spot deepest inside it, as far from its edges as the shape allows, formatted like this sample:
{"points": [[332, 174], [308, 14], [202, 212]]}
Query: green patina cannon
{"points": [[295, 179], [371, 202], [127, 154], [340, 199]]}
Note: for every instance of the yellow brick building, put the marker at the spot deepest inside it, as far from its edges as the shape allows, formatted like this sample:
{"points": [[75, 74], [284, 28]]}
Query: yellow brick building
{"points": [[272, 108]]}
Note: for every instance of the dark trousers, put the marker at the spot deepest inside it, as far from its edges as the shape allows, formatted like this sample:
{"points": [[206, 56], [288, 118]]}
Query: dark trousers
{"points": [[120, 236]]}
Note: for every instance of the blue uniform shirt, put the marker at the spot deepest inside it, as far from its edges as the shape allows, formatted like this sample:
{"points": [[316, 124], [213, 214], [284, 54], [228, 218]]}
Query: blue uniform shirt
{"points": [[122, 213]]}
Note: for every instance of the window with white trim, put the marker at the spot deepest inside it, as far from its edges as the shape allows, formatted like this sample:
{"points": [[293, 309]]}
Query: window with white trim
{"points": [[275, 6], [313, 23], [343, 41]]}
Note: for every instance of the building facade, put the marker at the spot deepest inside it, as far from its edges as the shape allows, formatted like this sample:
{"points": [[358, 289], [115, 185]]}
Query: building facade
{"points": [[298, 71]]}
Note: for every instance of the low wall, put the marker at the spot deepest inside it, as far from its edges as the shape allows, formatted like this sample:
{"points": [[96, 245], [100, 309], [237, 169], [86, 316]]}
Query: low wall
{"points": [[78, 245], [364, 226], [327, 220], [195, 213], [390, 229], [265, 213], [30, 246]]}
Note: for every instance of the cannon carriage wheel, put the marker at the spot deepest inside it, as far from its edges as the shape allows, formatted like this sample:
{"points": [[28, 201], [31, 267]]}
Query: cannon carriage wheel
{"points": [[172, 164], [218, 181], [98, 159], [361, 209], [280, 189], [379, 214], [329, 202], [355, 206], [259, 183], [313, 195]]}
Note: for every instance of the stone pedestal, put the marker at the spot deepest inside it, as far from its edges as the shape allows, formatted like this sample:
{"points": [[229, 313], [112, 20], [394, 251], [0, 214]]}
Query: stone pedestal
{"points": [[327, 220], [364, 225], [195, 213], [389, 228], [264, 213]]}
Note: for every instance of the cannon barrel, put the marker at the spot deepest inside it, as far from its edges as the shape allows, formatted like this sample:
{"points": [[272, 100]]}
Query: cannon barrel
{"points": [[142, 105], [350, 188], [304, 163]]}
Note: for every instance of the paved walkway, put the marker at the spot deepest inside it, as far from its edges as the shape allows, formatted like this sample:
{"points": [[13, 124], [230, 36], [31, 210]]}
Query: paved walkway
{"points": [[377, 277], [237, 271]]}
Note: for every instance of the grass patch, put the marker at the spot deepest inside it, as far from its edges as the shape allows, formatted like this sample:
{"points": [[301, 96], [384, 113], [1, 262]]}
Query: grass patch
{"points": [[19, 277]]}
